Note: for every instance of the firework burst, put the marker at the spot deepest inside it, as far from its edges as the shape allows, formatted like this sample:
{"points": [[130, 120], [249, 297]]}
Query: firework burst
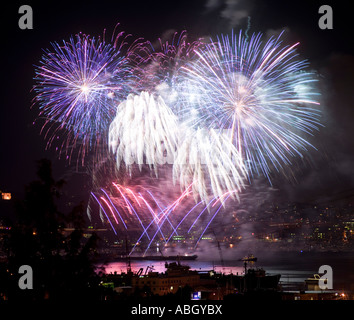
{"points": [[165, 61], [78, 84], [159, 64], [144, 131], [258, 91], [210, 163]]}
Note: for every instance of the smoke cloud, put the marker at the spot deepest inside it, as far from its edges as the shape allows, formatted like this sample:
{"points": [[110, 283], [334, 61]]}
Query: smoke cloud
{"points": [[235, 12]]}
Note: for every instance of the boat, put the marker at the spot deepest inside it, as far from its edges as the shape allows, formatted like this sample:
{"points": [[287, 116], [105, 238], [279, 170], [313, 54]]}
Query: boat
{"points": [[171, 258], [249, 258], [157, 258]]}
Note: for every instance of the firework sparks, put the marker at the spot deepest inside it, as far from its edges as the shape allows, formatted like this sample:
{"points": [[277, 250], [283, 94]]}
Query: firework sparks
{"points": [[144, 131], [208, 160], [259, 91], [78, 84], [161, 64], [126, 208]]}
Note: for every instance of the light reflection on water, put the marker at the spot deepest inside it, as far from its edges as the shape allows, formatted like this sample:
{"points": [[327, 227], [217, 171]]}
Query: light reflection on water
{"points": [[159, 266]]}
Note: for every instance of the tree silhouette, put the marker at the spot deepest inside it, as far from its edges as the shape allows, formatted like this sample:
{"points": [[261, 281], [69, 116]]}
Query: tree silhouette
{"points": [[62, 262]]}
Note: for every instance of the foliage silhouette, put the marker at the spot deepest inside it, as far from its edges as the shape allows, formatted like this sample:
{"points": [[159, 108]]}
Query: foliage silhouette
{"points": [[62, 259]]}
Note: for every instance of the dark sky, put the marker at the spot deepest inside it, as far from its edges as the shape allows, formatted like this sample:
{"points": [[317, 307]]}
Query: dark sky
{"points": [[330, 53]]}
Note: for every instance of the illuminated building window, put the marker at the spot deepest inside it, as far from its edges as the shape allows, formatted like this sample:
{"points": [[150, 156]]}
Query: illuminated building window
{"points": [[6, 196]]}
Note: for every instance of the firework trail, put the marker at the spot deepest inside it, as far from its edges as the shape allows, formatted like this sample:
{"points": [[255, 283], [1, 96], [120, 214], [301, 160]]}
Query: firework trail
{"points": [[102, 208], [144, 131], [78, 85], [126, 208], [258, 91], [213, 216], [199, 212], [208, 161]]}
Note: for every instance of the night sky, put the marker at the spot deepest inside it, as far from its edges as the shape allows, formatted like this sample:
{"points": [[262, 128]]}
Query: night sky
{"points": [[328, 172]]}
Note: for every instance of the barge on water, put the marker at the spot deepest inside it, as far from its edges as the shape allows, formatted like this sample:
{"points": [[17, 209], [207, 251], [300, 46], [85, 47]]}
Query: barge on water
{"points": [[156, 258]]}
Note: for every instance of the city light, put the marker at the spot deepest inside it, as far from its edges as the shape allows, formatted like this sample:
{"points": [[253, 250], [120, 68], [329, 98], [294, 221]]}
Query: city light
{"points": [[6, 196]]}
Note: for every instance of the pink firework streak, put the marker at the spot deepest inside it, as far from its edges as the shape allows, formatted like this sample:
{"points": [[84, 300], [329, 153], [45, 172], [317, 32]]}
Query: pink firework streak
{"points": [[127, 208]]}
